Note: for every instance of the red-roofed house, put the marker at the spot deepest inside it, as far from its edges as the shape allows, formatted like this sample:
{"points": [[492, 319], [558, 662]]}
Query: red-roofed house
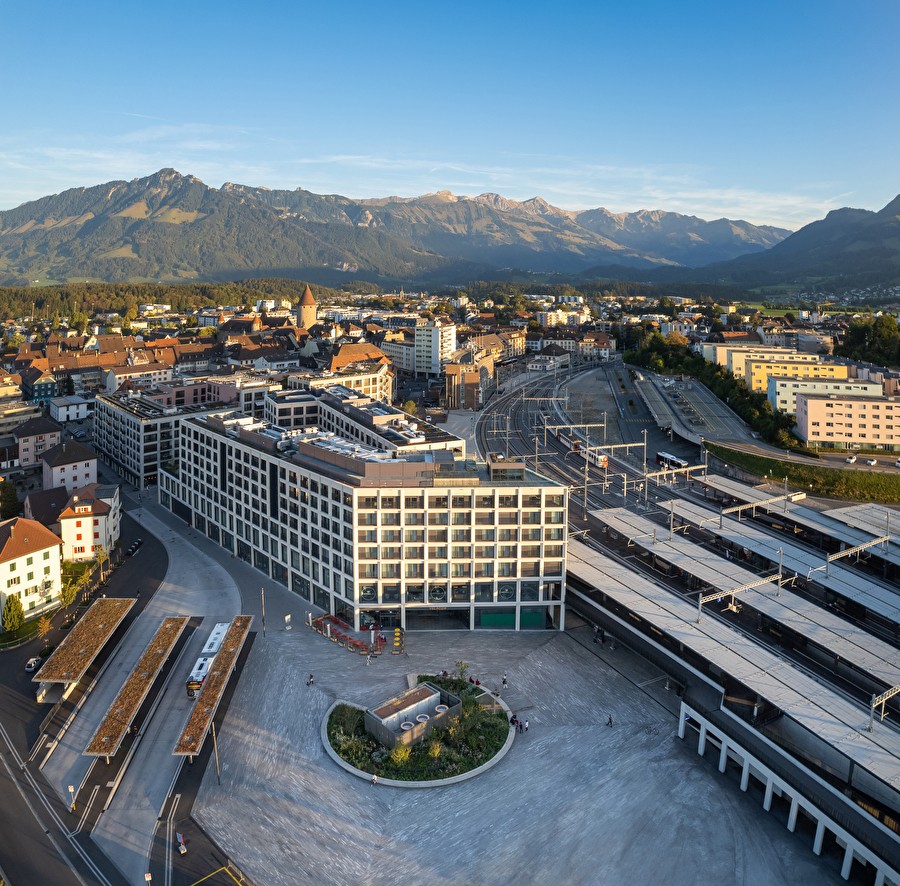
{"points": [[90, 522], [29, 565]]}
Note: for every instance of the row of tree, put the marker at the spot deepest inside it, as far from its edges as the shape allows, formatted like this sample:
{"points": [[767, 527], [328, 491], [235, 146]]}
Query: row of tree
{"points": [[671, 355]]}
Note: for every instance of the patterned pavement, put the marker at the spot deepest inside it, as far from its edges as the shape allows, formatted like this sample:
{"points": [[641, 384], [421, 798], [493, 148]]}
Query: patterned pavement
{"points": [[574, 801]]}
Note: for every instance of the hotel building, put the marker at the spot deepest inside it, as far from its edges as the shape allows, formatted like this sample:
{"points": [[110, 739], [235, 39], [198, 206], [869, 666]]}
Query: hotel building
{"points": [[375, 519]]}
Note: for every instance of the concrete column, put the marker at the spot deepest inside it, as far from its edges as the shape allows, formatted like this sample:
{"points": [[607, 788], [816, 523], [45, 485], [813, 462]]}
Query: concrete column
{"points": [[879, 877], [848, 861], [723, 755], [682, 721], [745, 775], [701, 745], [820, 836], [471, 618], [767, 800], [792, 815], [562, 617]]}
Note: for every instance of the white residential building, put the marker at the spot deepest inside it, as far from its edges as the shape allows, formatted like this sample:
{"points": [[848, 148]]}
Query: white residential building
{"points": [[29, 565], [782, 392], [90, 522], [73, 408], [435, 342], [70, 464]]}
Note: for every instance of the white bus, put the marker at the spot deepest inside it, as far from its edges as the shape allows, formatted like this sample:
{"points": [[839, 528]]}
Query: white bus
{"points": [[198, 675]]}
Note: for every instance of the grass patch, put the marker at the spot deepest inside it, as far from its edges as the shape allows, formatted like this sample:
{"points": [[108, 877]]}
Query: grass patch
{"points": [[468, 742], [853, 485]]}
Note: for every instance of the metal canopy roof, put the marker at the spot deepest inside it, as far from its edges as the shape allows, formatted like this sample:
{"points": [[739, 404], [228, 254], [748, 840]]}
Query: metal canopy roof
{"points": [[837, 524], [847, 583], [819, 625], [817, 708]]}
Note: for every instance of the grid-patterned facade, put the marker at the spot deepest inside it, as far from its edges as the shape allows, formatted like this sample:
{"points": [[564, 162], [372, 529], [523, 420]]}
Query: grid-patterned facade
{"points": [[398, 540]]}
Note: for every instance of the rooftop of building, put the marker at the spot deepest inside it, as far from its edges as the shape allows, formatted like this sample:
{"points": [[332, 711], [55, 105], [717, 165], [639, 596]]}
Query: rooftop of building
{"points": [[67, 453], [20, 537], [356, 463], [36, 426], [143, 407], [46, 505]]}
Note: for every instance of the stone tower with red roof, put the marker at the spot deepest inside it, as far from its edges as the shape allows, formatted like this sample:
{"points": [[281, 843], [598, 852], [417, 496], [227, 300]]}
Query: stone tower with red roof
{"points": [[306, 312]]}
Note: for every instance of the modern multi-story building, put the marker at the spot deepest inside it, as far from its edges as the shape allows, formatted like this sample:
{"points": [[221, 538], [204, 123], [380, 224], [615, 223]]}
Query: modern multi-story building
{"points": [[343, 411], [29, 565], [407, 536], [782, 392], [836, 422], [14, 411], [375, 380], [424, 351], [137, 435]]}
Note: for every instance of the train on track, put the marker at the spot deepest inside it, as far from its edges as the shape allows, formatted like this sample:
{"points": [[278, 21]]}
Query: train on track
{"points": [[575, 442]]}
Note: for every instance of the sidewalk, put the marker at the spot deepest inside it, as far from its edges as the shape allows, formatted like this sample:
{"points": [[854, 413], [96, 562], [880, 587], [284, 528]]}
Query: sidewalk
{"points": [[194, 584]]}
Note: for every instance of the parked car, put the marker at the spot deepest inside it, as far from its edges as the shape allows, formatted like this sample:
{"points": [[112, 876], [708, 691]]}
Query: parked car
{"points": [[33, 664], [851, 459], [897, 463], [872, 462]]}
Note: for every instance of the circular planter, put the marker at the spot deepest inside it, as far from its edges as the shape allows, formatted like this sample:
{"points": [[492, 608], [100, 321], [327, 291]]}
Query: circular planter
{"points": [[393, 782]]}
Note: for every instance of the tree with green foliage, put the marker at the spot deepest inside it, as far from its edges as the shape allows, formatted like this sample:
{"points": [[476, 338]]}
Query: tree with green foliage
{"points": [[410, 407], [13, 615], [9, 501], [68, 592]]}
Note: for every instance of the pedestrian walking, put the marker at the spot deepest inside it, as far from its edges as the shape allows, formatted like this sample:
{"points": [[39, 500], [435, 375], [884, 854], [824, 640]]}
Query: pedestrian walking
{"points": [[368, 660], [526, 726], [504, 682], [310, 680], [374, 779], [602, 636], [521, 726], [514, 721], [609, 720]]}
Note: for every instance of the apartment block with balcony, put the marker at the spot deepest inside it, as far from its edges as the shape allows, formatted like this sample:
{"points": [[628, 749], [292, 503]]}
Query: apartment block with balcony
{"points": [[758, 372], [834, 422], [782, 392], [136, 435], [409, 537]]}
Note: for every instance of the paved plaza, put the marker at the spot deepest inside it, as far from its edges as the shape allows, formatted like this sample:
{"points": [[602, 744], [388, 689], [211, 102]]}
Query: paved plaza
{"points": [[575, 801]]}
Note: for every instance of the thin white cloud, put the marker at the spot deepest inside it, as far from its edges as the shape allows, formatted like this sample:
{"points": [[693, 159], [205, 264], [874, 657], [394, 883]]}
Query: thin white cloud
{"points": [[217, 154]]}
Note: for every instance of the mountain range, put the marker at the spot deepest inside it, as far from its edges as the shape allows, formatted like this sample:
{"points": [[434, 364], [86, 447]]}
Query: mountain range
{"points": [[171, 227]]}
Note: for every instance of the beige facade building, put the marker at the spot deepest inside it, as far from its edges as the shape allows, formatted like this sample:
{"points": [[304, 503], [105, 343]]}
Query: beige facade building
{"points": [[849, 422], [90, 522]]}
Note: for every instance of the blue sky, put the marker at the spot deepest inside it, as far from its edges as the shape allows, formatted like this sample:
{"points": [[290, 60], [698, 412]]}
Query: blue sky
{"points": [[775, 112]]}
